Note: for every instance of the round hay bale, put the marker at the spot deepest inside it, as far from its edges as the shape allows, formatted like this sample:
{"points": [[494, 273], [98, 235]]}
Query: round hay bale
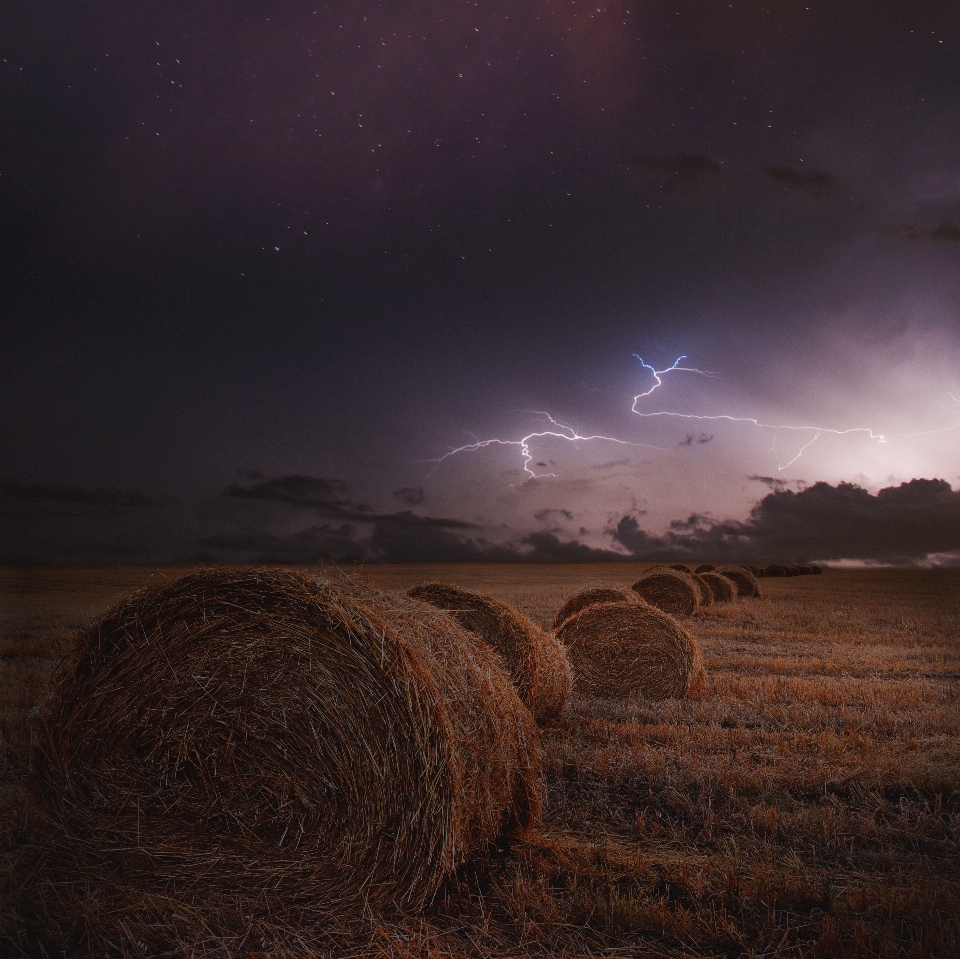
{"points": [[680, 568], [534, 658], [668, 590], [775, 569], [794, 569], [705, 568], [706, 593], [804, 569], [817, 569], [591, 596], [789, 571], [622, 650], [747, 584], [756, 570], [242, 753], [724, 590]]}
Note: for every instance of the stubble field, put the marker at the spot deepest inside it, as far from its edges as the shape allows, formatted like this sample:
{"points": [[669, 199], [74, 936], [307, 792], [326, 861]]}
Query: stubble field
{"points": [[806, 802]]}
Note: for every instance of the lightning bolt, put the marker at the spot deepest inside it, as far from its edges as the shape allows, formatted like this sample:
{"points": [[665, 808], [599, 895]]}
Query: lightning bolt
{"points": [[569, 434], [562, 432], [817, 431]]}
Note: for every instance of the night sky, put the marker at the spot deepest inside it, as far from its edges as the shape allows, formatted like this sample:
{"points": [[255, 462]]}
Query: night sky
{"points": [[263, 265]]}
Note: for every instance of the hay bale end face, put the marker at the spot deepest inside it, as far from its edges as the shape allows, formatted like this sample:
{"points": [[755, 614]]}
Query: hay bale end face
{"points": [[724, 590], [533, 656], [256, 750], [774, 569], [817, 569], [592, 596], [747, 584], [668, 590], [624, 650], [679, 567]]}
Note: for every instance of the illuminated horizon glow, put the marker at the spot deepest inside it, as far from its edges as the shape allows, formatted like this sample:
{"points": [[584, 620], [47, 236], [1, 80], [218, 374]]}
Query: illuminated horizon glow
{"points": [[571, 435]]}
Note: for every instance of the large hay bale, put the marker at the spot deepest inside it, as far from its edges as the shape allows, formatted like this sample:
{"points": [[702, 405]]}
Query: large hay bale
{"points": [[789, 571], [679, 567], [591, 596], [534, 658], [724, 590], [804, 569], [706, 593], [668, 590], [705, 568], [817, 569], [251, 753], [747, 584], [775, 569], [621, 650]]}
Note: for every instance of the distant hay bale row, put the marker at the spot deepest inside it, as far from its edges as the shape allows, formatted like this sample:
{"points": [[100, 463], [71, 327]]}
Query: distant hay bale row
{"points": [[534, 658], [238, 750], [625, 649], [803, 569]]}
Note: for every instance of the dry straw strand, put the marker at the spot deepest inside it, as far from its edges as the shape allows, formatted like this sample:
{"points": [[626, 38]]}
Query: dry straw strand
{"points": [[591, 596], [621, 650], [240, 750], [668, 590], [534, 658]]}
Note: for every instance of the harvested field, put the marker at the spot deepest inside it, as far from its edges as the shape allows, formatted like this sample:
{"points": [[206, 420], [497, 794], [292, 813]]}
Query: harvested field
{"points": [[806, 802]]}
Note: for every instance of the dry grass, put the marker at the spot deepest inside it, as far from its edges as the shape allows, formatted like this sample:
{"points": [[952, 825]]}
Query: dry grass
{"points": [[805, 803]]}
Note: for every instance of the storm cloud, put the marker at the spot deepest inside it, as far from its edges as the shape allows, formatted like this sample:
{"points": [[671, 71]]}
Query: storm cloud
{"points": [[902, 524]]}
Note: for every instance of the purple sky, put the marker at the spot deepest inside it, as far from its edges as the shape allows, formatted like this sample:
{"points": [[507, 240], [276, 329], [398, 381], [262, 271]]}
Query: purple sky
{"points": [[261, 268]]}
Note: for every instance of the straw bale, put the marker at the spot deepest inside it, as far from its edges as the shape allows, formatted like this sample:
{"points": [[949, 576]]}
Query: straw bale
{"points": [[747, 584], [534, 658], [794, 570], [775, 569], [705, 568], [591, 596], [804, 569], [723, 589], [669, 590], [679, 567], [817, 569], [622, 650], [706, 593], [238, 756]]}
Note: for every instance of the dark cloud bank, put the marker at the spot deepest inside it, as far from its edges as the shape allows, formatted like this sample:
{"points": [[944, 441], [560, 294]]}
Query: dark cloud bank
{"points": [[914, 522]]}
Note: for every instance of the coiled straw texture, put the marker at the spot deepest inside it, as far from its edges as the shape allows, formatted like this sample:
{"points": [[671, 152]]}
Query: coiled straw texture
{"points": [[624, 650], [243, 750], [591, 596], [671, 591]]}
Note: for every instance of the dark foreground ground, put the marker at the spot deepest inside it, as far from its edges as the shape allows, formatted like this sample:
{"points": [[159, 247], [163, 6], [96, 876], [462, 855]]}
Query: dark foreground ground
{"points": [[807, 802]]}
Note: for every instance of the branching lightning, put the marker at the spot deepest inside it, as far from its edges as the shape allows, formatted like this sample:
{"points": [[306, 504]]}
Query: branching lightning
{"points": [[562, 432], [806, 435], [817, 431]]}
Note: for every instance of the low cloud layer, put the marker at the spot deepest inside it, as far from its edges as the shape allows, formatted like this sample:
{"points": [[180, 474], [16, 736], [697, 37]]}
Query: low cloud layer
{"points": [[57, 494], [899, 524], [302, 519]]}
